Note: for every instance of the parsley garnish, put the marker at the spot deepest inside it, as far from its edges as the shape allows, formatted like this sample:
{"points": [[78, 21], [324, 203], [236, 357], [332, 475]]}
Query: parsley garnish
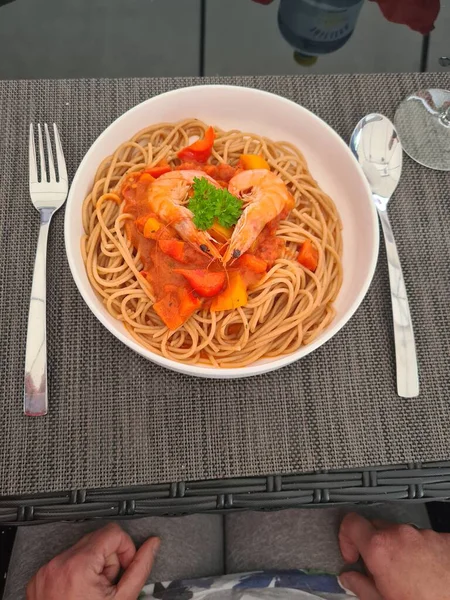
{"points": [[209, 203]]}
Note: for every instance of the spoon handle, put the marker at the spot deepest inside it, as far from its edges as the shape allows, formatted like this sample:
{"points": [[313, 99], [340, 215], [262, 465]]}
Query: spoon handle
{"points": [[405, 347]]}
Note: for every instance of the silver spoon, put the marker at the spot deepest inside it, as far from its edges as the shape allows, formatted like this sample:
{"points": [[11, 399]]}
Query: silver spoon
{"points": [[377, 148]]}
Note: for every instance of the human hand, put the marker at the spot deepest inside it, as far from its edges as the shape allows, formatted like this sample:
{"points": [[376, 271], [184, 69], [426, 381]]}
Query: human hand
{"points": [[89, 569], [403, 562]]}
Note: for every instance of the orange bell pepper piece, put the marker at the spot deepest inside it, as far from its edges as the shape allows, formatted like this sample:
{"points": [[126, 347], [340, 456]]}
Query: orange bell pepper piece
{"points": [[233, 296], [151, 226], [253, 161], [148, 226]]}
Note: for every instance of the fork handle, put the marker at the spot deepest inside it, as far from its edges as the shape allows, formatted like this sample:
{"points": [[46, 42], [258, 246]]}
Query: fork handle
{"points": [[35, 383], [405, 347]]}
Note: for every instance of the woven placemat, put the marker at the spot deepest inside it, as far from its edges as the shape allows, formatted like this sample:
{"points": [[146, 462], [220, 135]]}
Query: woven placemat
{"points": [[116, 419]]}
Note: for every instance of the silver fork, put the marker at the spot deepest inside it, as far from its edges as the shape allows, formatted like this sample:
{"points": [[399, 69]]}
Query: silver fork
{"points": [[48, 193]]}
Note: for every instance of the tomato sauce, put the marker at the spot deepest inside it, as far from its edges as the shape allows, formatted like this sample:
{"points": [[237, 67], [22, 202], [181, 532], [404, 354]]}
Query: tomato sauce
{"points": [[164, 253], [268, 246], [175, 298], [222, 172]]}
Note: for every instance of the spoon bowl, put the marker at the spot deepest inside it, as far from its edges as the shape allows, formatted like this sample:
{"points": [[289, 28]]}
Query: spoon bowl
{"points": [[377, 147]]}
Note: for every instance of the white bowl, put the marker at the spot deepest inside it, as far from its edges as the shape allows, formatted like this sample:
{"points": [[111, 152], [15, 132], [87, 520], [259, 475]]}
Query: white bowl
{"points": [[331, 163]]}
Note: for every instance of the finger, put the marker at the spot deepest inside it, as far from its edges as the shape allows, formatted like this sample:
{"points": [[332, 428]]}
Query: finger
{"points": [[112, 568], [112, 539], [355, 534], [360, 585], [135, 577], [31, 589], [382, 524]]}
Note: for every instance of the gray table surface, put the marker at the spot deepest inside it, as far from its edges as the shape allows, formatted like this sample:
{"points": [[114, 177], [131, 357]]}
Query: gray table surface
{"points": [[117, 420]]}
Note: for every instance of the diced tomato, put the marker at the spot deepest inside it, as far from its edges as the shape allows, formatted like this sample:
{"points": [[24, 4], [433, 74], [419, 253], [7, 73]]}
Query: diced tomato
{"points": [[252, 263], [210, 170], [223, 184], [222, 172], [189, 166], [308, 255], [269, 248], [173, 248], [225, 172], [160, 169], [200, 150], [204, 282]]}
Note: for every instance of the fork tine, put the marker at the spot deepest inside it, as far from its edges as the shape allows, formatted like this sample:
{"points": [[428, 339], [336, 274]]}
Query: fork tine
{"points": [[32, 156], [51, 166], [41, 154], [59, 155]]}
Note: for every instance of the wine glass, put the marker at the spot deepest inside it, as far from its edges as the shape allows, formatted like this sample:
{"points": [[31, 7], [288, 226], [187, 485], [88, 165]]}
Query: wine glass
{"points": [[422, 121]]}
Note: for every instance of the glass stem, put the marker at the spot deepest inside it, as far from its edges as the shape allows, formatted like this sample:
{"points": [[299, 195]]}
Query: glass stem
{"points": [[444, 117]]}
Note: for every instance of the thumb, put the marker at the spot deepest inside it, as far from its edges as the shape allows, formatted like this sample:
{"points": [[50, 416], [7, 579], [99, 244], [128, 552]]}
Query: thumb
{"points": [[135, 576], [360, 585]]}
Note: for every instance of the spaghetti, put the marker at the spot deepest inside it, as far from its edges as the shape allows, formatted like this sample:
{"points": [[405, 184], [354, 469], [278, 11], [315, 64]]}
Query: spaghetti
{"points": [[290, 305]]}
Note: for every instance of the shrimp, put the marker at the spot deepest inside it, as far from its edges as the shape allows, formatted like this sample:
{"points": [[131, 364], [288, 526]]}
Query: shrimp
{"points": [[165, 197], [266, 197]]}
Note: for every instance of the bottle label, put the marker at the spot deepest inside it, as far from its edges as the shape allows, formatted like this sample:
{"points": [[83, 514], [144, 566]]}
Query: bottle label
{"points": [[319, 22]]}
